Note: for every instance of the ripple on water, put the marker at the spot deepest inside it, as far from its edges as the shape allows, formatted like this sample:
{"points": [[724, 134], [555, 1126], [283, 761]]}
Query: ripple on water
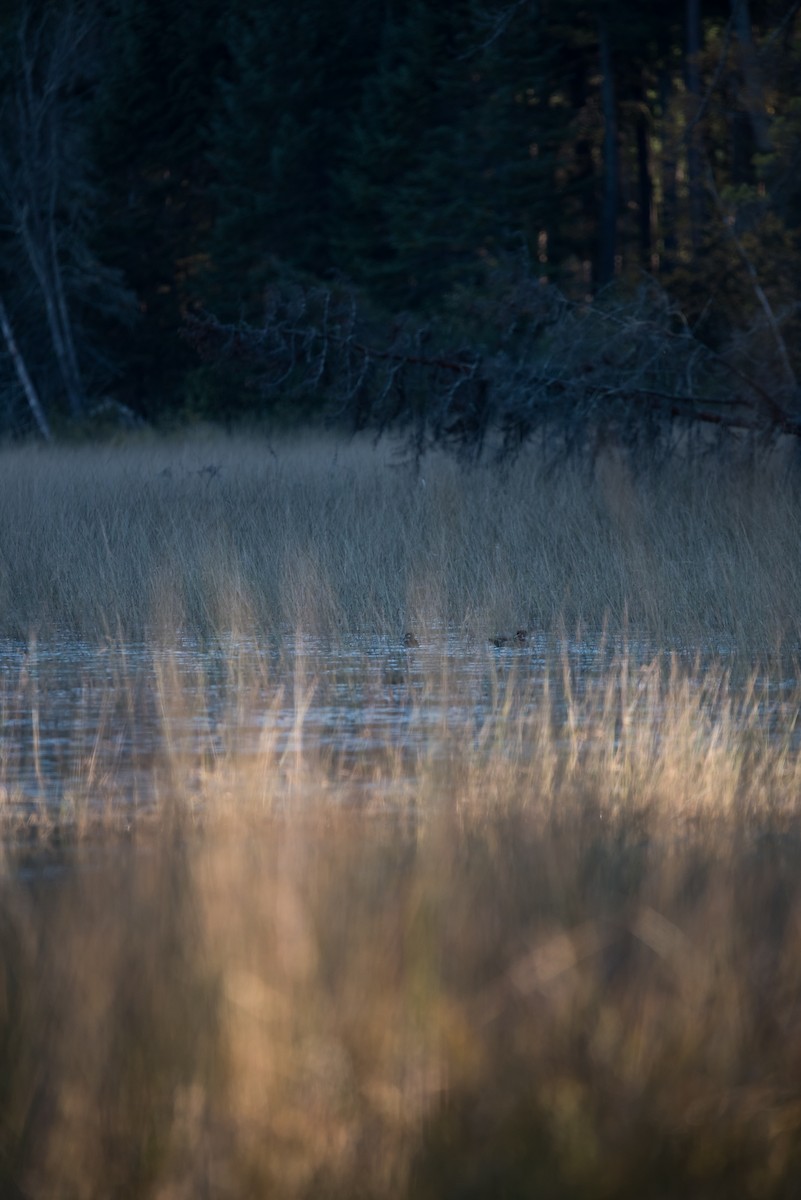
{"points": [[77, 714]]}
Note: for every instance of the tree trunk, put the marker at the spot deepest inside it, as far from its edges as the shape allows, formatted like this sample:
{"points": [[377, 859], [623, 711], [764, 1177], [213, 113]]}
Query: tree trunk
{"points": [[22, 374], [668, 212], [753, 86], [611, 195], [40, 168], [645, 187], [693, 80], [47, 273], [76, 396]]}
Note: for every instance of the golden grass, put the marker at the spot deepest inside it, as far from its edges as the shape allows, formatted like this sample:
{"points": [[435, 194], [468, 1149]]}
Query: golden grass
{"points": [[216, 533], [511, 928], [557, 952]]}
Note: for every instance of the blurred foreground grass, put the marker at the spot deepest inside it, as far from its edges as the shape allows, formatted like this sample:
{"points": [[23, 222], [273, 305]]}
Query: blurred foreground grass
{"points": [[541, 938], [554, 955]]}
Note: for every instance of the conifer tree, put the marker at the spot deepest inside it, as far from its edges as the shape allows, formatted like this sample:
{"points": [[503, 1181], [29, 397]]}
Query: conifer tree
{"points": [[454, 159], [152, 113], [283, 108]]}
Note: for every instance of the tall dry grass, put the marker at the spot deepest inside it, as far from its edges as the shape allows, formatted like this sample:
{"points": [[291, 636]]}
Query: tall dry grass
{"points": [[557, 952], [505, 932], [216, 532]]}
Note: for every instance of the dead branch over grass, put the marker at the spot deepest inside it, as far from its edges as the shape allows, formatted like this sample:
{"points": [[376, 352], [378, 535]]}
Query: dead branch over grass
{"points": [[517, 361], [216, 533]]}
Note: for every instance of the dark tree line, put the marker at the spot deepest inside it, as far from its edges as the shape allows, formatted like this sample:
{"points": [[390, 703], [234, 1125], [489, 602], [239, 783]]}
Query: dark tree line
{"points": [[332, 201]]}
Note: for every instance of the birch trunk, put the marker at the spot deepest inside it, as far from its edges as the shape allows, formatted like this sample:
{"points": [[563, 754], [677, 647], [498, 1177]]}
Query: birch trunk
{"points": [[611, 197], [22, 374]]}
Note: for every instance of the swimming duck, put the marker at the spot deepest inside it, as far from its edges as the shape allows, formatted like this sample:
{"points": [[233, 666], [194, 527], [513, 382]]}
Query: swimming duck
{"points": [[519, 638], [410, 641]]}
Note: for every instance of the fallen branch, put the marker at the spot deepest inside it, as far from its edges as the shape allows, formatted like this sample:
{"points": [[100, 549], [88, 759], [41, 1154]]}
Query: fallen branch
{"points": [[601, 367]]}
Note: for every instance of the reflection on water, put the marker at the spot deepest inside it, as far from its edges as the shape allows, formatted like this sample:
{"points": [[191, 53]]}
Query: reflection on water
{"points": [[75, 715]]}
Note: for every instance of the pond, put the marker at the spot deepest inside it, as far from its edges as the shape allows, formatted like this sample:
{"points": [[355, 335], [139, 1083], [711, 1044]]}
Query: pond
{"points": [[82, 720]]}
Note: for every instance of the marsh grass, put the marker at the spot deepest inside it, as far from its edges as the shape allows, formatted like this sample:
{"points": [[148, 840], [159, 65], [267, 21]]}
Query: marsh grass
{"points": [[557, 952], [217, 533], [500, 932]]}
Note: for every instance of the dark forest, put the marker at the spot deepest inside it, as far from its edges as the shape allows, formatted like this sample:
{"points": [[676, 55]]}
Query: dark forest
{"points": [[475, 220]]}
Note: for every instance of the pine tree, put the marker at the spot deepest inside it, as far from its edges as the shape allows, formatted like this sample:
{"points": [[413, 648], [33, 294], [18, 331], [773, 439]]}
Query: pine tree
{"points": [[152, 113], [284, 107], [400, 160], [453, 161]]}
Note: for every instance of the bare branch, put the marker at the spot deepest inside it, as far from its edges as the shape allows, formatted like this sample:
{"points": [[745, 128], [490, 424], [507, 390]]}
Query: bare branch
{"points": [[785, 21], [497, 23], [574, 373]]}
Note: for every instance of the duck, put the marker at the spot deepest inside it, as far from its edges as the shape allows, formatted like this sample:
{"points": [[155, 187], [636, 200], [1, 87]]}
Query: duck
{"points": [[410, 642], [518, 638]]}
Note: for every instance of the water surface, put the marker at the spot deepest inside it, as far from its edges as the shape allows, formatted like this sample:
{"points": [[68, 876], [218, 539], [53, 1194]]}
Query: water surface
{"points": [[78, 717]]}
